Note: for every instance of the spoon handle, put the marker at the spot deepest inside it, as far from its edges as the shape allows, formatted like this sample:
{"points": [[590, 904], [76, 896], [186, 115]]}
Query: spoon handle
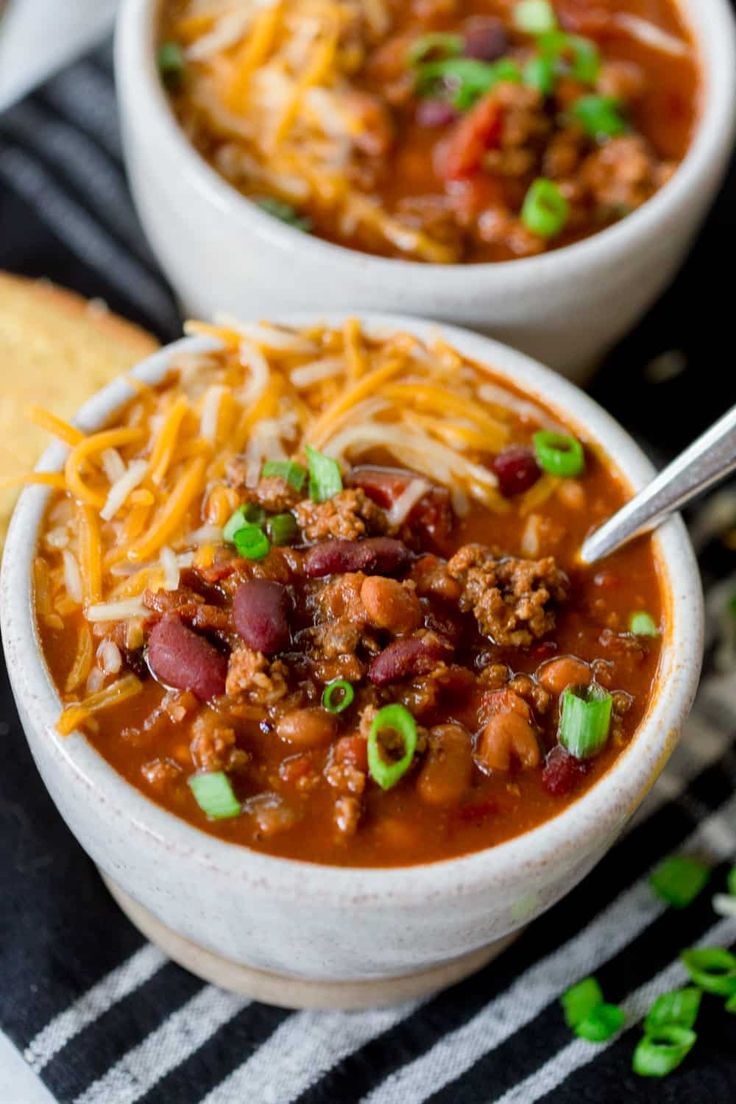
{"points": [[709, 459]]}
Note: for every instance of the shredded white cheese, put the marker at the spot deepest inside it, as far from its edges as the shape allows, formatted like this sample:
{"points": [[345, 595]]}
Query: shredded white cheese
{"points": [[651, 35], [210, 417], [316, 371], [120, 490], [170, 566], [116, 611], [208, 534], [113, 464], [72, 577], [253, 359], [407, 500], [109, 659], [271, 338]]}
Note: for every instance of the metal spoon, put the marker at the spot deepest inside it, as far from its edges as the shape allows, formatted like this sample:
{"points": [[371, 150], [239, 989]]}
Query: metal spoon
{"points": [[708, 460]]}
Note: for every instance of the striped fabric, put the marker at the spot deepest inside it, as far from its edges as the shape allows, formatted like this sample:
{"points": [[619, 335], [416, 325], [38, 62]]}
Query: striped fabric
{"points": [[104, 1018]]}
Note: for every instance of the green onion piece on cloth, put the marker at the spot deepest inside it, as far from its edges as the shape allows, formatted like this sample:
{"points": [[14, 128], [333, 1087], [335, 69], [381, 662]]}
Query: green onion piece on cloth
{"points": [[679, 879], [713, 969], [679, 1007], [579, 1000], [662, 1051]]}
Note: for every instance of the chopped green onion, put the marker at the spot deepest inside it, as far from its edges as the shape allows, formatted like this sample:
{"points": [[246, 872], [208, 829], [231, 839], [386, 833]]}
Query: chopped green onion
{"points": [[171, 64], [345, 695], [247, 514], [282, 529], [573, 54], [539, 73], [679, 1007], [325, 480], [731, 881], [465, 80], [642, 623], [661, 1052], [251, 542], [713, 969], [558, 453], [284, 212], [579, 1001], [731, 1004], [601, 1024], [446, 45], [294, 474], [545, 210], [585, 718], [536, 17], [679, 879], [213, 793], [600, 116], [395, 718]]}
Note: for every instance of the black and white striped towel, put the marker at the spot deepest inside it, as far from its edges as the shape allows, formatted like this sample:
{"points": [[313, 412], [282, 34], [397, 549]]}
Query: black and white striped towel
{"points": [[104, 1018]]}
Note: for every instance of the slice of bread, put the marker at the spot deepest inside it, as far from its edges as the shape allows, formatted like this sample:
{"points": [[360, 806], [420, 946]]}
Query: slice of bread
{"points": [[56, 349]]}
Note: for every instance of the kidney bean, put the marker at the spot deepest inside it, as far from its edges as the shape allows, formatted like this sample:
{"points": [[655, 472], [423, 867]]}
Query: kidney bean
{"points": [[432, 514], [416, 655], [562, 772], [435, 113], [447, 767], [307, 728], [516, 470], [486, 39], [261, 615], [390, 605], [180, 658], [374, 556]]}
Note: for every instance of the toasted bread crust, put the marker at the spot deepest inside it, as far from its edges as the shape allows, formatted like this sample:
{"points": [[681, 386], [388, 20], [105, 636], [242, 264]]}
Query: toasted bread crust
{"points": [[56, 349]]}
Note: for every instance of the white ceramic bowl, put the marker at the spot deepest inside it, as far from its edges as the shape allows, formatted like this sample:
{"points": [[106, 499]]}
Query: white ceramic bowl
{"points": [[566, 307], [332, 924]]}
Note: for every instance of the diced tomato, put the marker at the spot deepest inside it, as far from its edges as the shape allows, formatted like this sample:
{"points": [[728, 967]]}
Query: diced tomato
{"points": [[477, 132]]}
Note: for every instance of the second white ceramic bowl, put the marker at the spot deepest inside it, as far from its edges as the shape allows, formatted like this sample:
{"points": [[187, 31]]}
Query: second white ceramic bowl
{"points": [[565, 307], [326, 923]]}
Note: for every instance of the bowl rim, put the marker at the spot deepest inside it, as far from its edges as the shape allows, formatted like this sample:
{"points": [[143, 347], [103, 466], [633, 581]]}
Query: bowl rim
{"points": [[595, 816], [712, 24]]}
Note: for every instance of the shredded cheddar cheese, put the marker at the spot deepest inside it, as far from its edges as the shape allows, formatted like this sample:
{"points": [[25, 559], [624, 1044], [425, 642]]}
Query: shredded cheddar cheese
{"points": [[139, 502]]}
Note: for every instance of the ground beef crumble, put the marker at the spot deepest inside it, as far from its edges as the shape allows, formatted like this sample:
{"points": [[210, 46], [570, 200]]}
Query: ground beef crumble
{"points": [[347, 516], [511, 599], [251, 675]]}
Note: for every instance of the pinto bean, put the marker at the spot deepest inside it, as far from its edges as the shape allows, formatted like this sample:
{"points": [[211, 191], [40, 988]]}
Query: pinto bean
{"points": [[180, 658], [374, 556], [307, 728], [261, 614], [445, 773], [415, 655], [556, 674], [509, 733], [390, 605]]}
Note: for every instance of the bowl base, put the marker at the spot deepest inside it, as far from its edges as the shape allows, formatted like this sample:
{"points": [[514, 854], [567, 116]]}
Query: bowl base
{"points": [[300, 993]]}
